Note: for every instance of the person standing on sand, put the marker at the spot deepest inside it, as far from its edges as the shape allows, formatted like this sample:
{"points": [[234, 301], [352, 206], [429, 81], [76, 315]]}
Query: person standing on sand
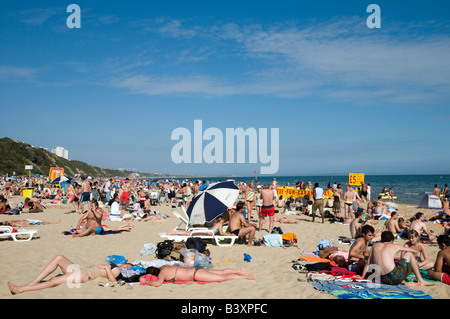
{"points": [[348, 204], [318, 202], [125, 196], [268, 207], [337, 195], [85, 191], [389, 271]]}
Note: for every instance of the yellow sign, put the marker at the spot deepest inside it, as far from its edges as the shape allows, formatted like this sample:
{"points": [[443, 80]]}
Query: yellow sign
{"points": [[355, 179], [287, 192]]}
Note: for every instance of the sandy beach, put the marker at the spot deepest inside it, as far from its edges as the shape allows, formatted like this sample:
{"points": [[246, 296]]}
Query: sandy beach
{"points": [[276, 279]]}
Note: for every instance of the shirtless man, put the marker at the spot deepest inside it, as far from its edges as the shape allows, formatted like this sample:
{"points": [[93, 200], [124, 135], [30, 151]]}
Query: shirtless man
{"points": [[391, 194], [441, 269], [142, 197], [392, 224], [355, 224], [436, 191], [419, 226], [35, 207], [92, 221], [85, 191], [359, 250], [196, 188], [445, 213], [125, 196], [348, 204], [239, 226], [7, 188], [268, 208], [390, 272]]}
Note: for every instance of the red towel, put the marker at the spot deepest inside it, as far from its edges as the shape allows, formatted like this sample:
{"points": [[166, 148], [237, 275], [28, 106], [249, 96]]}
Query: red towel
{"points": [[178, 282]]}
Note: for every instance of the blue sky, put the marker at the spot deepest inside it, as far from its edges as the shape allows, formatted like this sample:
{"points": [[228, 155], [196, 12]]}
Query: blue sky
{"points": [[344, 97]]}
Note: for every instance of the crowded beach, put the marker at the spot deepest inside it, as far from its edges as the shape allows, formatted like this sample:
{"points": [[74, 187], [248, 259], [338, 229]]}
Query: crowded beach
{"points": [[284, 240]]}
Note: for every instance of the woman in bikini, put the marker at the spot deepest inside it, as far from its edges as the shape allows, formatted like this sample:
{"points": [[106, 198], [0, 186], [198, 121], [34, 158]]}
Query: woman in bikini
{"points": [[72, 198], [217, 229], [171, 274], [250, 199], [72, 275]]}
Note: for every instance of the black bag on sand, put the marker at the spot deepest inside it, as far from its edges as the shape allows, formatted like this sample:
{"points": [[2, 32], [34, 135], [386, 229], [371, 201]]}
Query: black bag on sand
{"points": [[196, 243], [277, 230], [164, 248]]}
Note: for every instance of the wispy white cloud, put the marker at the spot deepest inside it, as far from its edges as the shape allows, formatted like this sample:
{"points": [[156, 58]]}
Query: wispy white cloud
{"points": [[342, 59], [14, 73], [38, 16]]}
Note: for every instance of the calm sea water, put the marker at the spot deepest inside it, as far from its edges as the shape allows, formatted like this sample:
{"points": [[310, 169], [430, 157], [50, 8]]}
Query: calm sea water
{"points": [[407, 188]]}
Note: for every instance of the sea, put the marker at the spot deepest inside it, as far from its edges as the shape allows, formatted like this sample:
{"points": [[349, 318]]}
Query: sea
{"points": [[407, 188]]}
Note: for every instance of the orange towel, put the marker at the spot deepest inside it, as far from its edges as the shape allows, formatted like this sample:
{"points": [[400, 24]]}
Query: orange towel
{"points": [[318, 259]]}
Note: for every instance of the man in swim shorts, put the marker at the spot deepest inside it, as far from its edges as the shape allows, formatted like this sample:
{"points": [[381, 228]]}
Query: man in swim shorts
{"points": [[92, 221], [389, 271], [239, 226], [441, 269], [85, 191], [268, 206], [125, 196]]}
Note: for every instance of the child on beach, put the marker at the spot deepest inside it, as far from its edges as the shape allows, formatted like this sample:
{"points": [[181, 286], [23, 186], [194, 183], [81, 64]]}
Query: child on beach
{"points": [[413, 242]]}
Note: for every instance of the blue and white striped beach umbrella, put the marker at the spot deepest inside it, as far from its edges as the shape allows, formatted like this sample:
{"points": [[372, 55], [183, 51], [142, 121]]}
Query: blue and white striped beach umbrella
{"points": [[212, 202]]}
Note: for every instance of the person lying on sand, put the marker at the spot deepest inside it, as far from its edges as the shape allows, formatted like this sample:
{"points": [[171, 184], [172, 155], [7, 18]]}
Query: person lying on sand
{"points": [[170, 273], [27, 222], [72, 275]]}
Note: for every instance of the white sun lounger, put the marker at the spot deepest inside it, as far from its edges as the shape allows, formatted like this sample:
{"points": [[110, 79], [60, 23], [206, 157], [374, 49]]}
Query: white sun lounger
{"points": [[203, 233], [7, 232], [195, 231]]}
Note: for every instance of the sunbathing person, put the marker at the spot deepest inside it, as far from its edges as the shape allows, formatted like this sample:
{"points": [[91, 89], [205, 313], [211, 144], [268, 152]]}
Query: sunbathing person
{"points": [[152, 215], [34, 207], [217, 229], [169, 273], [389, 271], [340, 257], [26, 222], [71, 275], [441, 269], [240, 227], [413, 242], [418, 225]]}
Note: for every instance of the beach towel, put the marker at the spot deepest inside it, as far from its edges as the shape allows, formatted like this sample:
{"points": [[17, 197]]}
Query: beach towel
{"points": [[363, 290], [177, 282], [423, 273], [317, 259]]}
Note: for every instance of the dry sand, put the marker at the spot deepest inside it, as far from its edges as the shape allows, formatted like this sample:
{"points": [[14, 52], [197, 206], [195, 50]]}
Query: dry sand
{"points": [[276, 279]]}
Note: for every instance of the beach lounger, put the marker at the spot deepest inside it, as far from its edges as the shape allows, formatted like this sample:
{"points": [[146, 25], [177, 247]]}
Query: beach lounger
{"points": [[8, 232], [194, 231], [203, 233]]}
